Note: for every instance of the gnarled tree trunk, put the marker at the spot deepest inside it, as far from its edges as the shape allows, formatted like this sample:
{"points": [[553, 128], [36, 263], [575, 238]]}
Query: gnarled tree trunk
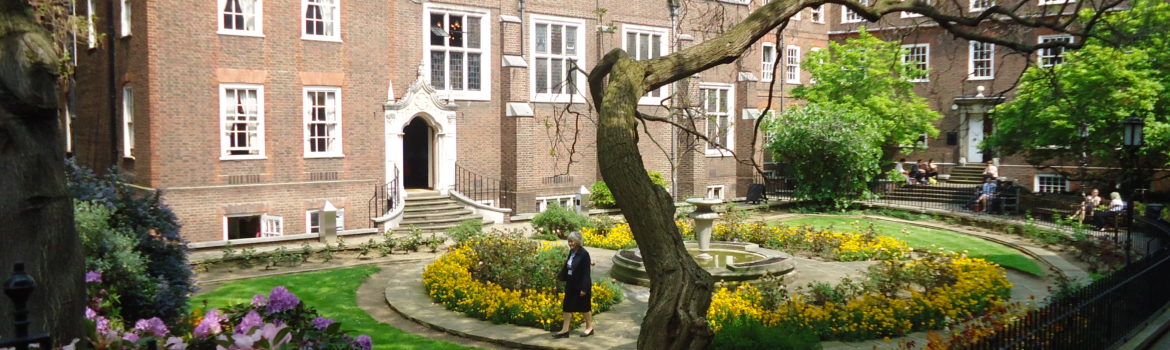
{"points": [[36, 213]]}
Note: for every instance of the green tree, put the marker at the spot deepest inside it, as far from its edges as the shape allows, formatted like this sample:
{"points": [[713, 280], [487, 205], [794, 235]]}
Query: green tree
{"points": [[821, 139], [1074, 109], [867, 75]]}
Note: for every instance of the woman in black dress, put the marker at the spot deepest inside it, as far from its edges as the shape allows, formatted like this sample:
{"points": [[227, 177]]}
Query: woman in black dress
{"points": [[578, 287]]}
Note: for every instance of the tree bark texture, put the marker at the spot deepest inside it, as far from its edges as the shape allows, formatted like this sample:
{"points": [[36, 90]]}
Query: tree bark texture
{"points": [[36, 213]]}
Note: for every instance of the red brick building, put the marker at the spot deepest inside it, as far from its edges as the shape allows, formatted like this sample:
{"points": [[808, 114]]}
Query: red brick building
{"points": [[250, 114]]}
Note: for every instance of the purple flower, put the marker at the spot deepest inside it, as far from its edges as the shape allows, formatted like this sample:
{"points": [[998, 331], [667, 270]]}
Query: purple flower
{"points": [[103, 324], [93, 277], [321, 323], [131, 337], [175, 343], [280, 299], [251, 320], [210, 324], [89, 313], [364, 342], [259, 300], [153, 327]]}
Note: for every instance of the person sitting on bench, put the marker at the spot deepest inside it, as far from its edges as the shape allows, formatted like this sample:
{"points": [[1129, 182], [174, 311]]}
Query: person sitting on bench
{"points": [[983, 197], [1102, 218]]}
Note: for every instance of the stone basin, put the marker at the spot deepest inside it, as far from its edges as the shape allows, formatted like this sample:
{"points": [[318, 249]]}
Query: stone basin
{"points": [[729, 262]]}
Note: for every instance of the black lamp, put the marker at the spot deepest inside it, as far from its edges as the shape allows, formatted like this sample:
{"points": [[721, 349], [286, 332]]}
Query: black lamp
{"points": [[1133, 133]]}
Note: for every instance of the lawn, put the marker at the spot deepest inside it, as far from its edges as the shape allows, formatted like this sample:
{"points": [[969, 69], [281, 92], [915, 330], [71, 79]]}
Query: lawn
{"points": [[921, 237], [334, 294]]}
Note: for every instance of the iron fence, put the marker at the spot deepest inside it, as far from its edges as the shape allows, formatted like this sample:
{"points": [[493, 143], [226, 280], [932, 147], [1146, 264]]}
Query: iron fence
{"points": [[485, 190], [776, 188], [386, 198], [1095, 317]]}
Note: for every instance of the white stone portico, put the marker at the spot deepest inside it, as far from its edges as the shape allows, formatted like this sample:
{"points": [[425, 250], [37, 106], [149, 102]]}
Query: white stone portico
{"points": [[422, 101]]}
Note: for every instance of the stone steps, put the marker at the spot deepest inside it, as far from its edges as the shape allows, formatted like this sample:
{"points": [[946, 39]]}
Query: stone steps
{"points": [[431, 212]]}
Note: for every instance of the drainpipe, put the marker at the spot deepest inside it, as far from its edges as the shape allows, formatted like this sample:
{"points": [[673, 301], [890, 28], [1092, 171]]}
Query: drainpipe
{"points": [[673, 8], [112, 85]]}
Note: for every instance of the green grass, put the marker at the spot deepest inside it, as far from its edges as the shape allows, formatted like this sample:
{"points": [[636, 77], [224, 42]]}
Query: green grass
{"points": [[921, 237], [334, 294]]}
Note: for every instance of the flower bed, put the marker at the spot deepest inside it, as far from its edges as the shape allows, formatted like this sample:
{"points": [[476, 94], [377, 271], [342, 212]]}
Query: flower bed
{"points": [[899, 297], [450, 281]]}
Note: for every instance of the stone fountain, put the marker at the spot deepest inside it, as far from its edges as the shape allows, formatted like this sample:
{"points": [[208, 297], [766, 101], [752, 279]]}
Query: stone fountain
{"points": [[726, 261]]}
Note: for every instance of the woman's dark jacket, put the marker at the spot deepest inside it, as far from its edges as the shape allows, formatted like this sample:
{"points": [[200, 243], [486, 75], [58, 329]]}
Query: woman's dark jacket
{"points": [[580, 279]]}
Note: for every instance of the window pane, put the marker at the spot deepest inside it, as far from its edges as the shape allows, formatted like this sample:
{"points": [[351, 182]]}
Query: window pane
{"points": [[570, 40], [541, 75], [643, 46], [631, 44], [437, 36], [456, 71], [656, 46], [557, 69], [571, 77], [541, 37], [473, 34], [438, 68], [555, 40], [723, 101], [473, 71], [455, 31]]}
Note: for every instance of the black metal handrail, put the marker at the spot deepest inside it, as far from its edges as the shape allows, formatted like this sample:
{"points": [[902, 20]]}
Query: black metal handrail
{"points": [[776, 188], [485, 190], [386, 198], [1095, 317]]}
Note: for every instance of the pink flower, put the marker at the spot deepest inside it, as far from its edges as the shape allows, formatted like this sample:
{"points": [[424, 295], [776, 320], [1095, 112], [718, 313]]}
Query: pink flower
{"points": [[259, 300], [251, 320], [210, 324], [152, 327], [89, 313], [271, 331], [93, 277], [131, 337], [175, 343]]}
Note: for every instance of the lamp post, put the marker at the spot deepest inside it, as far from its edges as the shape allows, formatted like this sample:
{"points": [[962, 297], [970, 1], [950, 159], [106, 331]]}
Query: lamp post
{"points": [[1132, 140]]}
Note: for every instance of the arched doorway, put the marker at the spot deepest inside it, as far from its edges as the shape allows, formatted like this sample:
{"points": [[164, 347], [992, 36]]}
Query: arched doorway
{"points": [[417, 148]]}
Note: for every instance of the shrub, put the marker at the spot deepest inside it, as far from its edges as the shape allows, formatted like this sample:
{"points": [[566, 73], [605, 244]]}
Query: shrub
{"points": [[466, 230], [558, 220], [110, 252], [749, 333], [819, 140], [155, 230], [601, 197]]}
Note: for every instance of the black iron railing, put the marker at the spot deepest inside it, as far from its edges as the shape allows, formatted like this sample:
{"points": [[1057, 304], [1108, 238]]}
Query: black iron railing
{"points": [[1095, 317], [485, 190], [386, 198], [19, 289], [776, 188]]}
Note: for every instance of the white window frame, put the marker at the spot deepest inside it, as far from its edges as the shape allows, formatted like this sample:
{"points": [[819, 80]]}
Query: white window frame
{"points": [[767, 65], [737, 2], [1040, 186], [485, 45], [91, 27], [1044, 56], [915, 14], [68, 129], [335, 132], [909, 57], [333, 23], [721, 190], [127, 121], [257, 16], [271, 226], [126, 16], [708, 116], [848, 16], [664, 49], [792, 64], [309, 220], [971, 71], [980, 5], [224, 139], [817, 14], [579, 57], [542, 202], [1055, 2]]}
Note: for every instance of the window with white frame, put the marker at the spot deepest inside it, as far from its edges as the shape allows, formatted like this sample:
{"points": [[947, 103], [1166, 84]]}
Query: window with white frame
{"points": [[565, 201], [322, 19], [981, 61], [90, 26], [1055, 2], [127, 121], [313, 221], [848, 16], [557, 51], [715, 192], [252, 226], [1051, 183], [322, 121], [643, 43], [1052, 56], [717, 109], [768, 61], [457, 51], [817, 14], [980, 5], [919, 56], [241, 17], [241, 117], [126, 16], [792, 64]]}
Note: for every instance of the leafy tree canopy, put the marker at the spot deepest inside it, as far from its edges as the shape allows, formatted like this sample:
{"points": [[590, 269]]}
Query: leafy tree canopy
{"points": [[1077, 107], [867, 75], [832, 159]]}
